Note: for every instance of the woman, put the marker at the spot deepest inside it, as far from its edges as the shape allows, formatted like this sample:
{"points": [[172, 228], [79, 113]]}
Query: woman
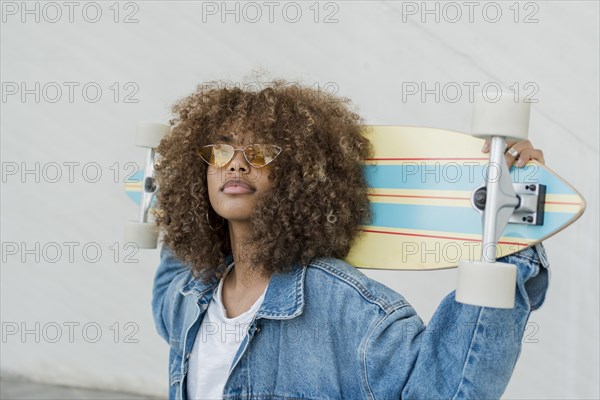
{"points": [[262, 193]]}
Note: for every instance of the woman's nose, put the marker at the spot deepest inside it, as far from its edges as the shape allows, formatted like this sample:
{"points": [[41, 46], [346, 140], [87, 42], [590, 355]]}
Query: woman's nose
{"points": [[238, 161]]}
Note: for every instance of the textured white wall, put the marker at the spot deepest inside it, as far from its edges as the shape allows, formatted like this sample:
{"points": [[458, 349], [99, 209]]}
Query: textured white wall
{"points": [[367, 55]]}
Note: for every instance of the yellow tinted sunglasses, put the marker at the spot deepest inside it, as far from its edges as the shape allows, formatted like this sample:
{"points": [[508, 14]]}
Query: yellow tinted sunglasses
{"points": [[257, 155]]}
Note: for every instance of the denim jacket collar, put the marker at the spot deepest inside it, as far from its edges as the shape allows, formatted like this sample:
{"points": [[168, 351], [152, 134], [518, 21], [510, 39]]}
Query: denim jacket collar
{"points": [[285, 295], [284, 298]]}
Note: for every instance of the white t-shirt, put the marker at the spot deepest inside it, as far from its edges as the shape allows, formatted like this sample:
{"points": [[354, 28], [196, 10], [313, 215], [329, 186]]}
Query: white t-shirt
{"points": [[215, 347]]}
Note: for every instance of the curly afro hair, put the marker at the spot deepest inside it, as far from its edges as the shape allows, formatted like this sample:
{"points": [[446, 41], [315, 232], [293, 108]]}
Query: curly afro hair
{"points": [[318, 198]]}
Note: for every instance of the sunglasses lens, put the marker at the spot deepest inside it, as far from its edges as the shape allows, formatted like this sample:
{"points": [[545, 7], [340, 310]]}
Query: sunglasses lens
{"points": [[260, 155], [217, 154]]}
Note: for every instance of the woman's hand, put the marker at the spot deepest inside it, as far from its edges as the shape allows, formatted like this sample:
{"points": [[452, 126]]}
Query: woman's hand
{"points": [[518, 152]]}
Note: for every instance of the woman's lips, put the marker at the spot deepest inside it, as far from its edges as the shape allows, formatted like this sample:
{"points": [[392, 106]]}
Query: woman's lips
{"points": [[237, 187]]}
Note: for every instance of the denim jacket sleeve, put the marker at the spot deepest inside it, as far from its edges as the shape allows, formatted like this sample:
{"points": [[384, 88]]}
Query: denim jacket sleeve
{"points": [[169, 273], [466, 352]]}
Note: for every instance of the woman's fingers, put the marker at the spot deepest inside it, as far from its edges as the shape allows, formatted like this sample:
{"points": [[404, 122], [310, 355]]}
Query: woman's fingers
{"points": [[518, 152], [530, 154], [521, 153], [515, 151], [486, 145]]}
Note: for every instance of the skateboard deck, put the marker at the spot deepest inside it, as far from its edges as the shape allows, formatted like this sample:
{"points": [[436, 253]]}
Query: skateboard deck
{"points": [[420, 186]]}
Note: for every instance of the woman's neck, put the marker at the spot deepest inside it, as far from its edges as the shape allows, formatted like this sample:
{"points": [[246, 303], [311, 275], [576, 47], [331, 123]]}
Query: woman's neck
{"points": [[244, 277], [243, 285]]}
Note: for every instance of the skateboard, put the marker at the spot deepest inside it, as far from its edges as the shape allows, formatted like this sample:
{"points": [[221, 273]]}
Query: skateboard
{"points": [[421, 181], [437, 201]]}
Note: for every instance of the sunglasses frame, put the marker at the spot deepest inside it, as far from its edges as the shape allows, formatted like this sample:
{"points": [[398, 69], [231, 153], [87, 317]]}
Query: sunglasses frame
{"points": [[243, 150]]}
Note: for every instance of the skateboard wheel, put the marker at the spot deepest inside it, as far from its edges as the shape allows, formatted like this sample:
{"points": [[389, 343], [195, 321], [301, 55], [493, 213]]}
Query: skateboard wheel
{"points": [[498, 114], [145, 235], [149, 134], [486, 284]]}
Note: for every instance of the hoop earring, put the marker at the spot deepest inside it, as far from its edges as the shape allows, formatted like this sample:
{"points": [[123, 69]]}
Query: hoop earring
{"points": [[217, 228]]}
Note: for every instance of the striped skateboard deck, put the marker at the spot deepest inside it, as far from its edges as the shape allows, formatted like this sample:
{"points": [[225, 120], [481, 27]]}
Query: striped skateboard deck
{"points": [[420, 185], [421, 181]]}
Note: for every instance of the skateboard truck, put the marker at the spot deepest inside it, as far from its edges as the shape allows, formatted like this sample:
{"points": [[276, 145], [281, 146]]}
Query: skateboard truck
{"points": [[142, 232], [489, 283], [531, 203]]}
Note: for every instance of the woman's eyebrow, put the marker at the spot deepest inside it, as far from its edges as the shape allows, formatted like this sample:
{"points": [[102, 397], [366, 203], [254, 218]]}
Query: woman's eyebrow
{"points": [[225, 139]]}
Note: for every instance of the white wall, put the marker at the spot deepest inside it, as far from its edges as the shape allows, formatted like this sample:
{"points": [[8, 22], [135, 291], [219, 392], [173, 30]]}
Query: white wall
{"points": [[368, 54]]}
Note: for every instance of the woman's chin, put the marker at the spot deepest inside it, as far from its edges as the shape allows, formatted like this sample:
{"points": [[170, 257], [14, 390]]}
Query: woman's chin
{"points": [[236, 217]]}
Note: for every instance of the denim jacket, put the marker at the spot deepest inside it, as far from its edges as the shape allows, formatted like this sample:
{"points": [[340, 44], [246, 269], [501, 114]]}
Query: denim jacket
{"points": [[326, 331]]}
